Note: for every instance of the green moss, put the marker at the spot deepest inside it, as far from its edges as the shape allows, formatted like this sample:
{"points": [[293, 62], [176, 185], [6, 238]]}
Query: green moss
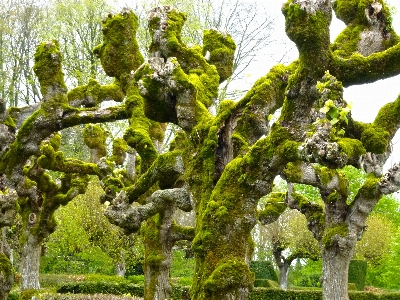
{"points": [[370, 187], [221, 49], [388, 118], [333, 197], [5, 266], [375, 139], [119, 151], [29, 294], [229, 277], [95, 138], [9, 121], [274, 207], [330, 233], [96, 93], [293, 172], [119, 53], [310, 32], [48, 66], [352, 148]]}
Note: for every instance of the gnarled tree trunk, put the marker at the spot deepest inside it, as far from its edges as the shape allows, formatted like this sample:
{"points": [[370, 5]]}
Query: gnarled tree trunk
{"points": [[283, 275], [335, 269], [30, 262]]}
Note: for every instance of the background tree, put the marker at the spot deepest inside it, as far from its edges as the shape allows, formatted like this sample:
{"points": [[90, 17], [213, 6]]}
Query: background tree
{"points": [[19, 36], [85, 242], [223, 163], [289, 240]]}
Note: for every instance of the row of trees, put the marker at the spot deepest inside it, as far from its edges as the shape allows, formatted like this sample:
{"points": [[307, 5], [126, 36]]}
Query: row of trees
{"points": [[220, 166]]}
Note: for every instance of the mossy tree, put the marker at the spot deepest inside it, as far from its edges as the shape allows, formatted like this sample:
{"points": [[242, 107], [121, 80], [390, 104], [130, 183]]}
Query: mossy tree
{"points": [[223, 163], [289, 239]]}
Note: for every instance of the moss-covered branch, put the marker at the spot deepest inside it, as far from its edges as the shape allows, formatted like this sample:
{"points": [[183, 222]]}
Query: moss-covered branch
{"points": [[130, 217], [314, 212], [93, 94], [8, 208], [180, 233], [165, 170], [358, 69], [274, 207]]}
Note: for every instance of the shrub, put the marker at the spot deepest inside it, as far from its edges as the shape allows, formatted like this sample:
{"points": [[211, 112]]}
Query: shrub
{"points": [[266, 283], [102, 288], [263, 270], [358, 273], [136, 279], [352, 287], [13, 296], [278, 294], [57, 280]]}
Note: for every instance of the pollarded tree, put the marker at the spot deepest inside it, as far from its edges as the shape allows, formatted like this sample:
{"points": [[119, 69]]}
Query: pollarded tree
{"points": [[224, 163], [289, 239], [230, 165]]}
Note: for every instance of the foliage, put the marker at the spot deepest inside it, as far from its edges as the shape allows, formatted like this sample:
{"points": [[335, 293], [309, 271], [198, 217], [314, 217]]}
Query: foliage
{"points": [[276, 294], [181, 266], [358, 273], [263, 270], [376, 239], [102, 287], [266, 283], [306, 274], [85, 242]]}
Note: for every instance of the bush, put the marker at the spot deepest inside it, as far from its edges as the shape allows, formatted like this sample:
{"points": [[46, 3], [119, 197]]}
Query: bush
{"points": [[278, 294], [13, 296], [352, 287], [263, 270], [102, 288], [266, 283], [57, 280], [358, 273], [181, 266], [136, 279]]}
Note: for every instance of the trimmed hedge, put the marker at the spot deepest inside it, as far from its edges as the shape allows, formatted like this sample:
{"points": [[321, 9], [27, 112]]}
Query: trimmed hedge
{"points": [[13, 296], [263, 270], [102, 288], [266, 283], [182, 293], [358, 273], [278, 294]]}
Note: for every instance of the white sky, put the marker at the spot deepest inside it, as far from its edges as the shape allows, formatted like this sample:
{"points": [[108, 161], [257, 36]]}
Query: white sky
{"points": [[366, 99]]}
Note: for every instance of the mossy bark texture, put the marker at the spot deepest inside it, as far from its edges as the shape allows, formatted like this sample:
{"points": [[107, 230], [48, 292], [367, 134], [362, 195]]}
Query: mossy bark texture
{"points": [[221, 165]]}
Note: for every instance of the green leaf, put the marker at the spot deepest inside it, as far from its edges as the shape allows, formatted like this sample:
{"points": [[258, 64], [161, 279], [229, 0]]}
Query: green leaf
{"points": [[334, 121]]}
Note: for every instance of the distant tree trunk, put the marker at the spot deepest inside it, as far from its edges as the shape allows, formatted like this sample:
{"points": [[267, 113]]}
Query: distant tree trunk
{"points": [[30, 262], [121, 269], [335, 269], [283, 265], [158, 258], [283, 275]]}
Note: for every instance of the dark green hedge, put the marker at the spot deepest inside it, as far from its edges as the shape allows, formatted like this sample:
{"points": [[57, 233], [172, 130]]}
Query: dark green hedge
{"points": [[263, 270], [102, 288], [182, 293], [178, 292], [266, 283], [358, 273], [277, 294], [13, 296]]}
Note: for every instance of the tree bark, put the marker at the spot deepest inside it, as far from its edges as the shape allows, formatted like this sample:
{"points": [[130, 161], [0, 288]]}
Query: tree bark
{"points": [[30, 263], [335, 269], [6, 276], [283, 275], [158, 258]]}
